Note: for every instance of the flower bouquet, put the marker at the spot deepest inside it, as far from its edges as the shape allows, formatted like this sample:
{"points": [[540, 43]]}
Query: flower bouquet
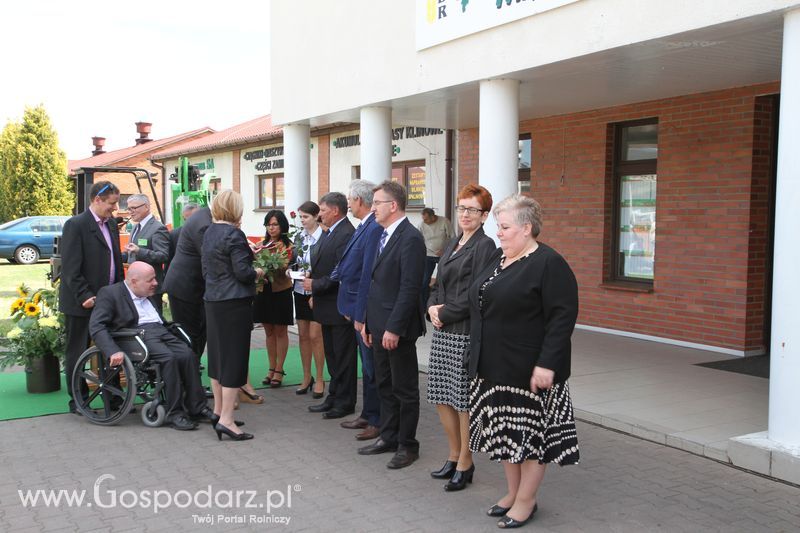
{"points": [[271, 259], [39, 329]]}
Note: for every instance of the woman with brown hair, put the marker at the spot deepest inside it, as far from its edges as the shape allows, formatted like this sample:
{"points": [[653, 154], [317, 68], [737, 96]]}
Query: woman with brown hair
{"points": [[273, 305], [448, 309]]}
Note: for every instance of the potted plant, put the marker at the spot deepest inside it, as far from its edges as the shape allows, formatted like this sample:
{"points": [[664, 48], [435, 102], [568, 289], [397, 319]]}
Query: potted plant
{"points": [[37, 340]]}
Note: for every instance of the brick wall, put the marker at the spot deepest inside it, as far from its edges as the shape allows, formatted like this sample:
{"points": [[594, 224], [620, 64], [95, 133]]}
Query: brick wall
{"points": [[713, 175], [323, 165], [237, 170]]}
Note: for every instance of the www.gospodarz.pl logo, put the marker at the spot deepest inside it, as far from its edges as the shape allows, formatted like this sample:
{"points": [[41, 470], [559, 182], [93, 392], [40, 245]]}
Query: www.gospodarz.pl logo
{"points": [[105, 497]]}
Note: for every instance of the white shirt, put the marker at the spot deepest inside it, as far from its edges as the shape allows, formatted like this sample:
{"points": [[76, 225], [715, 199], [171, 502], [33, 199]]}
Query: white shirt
{"points": [[309, 240], [391, 229], [141, 224], [145, 308]]}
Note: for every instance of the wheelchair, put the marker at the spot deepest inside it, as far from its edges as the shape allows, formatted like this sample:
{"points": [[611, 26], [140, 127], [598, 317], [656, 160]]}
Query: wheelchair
{"points": [[113, 389]]}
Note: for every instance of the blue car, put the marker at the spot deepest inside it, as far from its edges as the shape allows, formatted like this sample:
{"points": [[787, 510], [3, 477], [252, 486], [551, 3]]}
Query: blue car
{"points": [[26, 240]]}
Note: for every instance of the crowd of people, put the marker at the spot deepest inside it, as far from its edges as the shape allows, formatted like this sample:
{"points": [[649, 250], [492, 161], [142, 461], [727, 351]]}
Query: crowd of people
{"points": [[502, 320]]}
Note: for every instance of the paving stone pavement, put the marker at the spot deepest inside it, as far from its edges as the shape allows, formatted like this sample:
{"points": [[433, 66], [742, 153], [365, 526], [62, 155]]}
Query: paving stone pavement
{"points": [[622, 485]]}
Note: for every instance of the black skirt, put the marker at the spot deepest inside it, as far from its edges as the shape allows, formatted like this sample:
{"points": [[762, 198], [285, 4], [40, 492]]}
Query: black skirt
{"points": [[273, 307], [302, 311], [228, 326]]}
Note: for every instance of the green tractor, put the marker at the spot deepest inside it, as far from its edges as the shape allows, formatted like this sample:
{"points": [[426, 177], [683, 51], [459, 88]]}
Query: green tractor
{"points": [[192, 186]]}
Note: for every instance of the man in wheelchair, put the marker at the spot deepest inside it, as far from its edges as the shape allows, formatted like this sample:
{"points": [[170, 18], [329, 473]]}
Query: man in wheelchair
{"points": [[126, 305]]}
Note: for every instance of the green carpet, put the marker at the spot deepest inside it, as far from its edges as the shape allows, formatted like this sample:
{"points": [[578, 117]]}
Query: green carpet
{"points": [[15, 402]]}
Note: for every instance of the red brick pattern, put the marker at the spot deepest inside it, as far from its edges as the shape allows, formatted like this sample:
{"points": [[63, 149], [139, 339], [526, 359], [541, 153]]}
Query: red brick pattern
{"points": [[323, 165], [711, 218], [237, 170]]}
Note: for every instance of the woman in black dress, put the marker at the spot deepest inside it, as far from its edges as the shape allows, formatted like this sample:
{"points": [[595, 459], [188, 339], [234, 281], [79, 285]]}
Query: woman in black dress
{"points": [[448, 309], [273, 306], [230, 286], [523, 309]]}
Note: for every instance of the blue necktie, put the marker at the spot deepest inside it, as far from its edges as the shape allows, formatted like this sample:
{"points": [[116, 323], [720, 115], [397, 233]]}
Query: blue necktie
{"points": [[384, 236]]}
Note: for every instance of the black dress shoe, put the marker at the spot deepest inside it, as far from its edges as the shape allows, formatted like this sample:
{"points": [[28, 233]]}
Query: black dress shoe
{"points": [[445, 472], [223, 430], [208, 392], [402, 459], [182, 423], [320, 408], [379, 446], [509, 523], [337, 412], [497, 510], [460, 479], [208, 416]]}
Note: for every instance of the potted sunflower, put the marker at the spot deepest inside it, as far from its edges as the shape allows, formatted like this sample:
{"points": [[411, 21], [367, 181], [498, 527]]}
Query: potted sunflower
{"points": [[37, 340]]}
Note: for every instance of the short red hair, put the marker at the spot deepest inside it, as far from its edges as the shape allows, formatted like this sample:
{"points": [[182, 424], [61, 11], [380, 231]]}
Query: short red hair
{"points": [[476, 191]]}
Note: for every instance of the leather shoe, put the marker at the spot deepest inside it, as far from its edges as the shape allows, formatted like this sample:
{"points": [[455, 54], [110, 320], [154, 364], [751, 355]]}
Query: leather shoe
{"points": [[509, 523], [358, 423], [402, 459], [445, 472], [379, 446], [369, 433], [182, 423], [337, 412], [207, 416], [320, 408]]}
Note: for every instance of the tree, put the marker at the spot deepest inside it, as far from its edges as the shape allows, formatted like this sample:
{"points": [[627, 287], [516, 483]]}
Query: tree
{"points": [[33, 169]]}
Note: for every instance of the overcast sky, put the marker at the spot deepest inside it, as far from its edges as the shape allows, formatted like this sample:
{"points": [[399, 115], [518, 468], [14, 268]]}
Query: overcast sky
{"points": [[99, 67]]}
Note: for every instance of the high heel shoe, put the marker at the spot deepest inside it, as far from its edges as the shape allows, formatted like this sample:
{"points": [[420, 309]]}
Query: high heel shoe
{"points": [[509, 523], [497, 510], [215, 420], [317, 395], [275, 382], [304, 390], [446, 471], [460, 479], [220, 429], [246, 397], [267, 380]]}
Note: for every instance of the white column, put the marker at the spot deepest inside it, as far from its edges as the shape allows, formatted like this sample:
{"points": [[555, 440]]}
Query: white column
{"points": [[296, 161], [376, 144], [784, 375], [498, 141]]}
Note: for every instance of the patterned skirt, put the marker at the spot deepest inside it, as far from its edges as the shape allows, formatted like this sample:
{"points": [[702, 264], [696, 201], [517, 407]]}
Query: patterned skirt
{"points": [[448, 381], [515, 425]]}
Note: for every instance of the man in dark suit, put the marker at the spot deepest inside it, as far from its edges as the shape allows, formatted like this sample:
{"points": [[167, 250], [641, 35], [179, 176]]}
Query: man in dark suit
{"points": [[126, 305], [175, 234], [338, 336], [90, 259], [395, 319], [354, 273], [184, 282], [149, 242]]}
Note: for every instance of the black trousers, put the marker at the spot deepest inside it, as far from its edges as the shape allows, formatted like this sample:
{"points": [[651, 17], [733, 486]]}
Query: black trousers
{"points": [[179, 370], [397, 378], [192, 316], [77, 340], [341, 351]]}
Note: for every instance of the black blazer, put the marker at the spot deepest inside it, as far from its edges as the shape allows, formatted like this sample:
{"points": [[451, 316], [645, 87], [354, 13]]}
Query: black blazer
{"points": [[155, 252], [113, 310], [394, 302], [324, 259], [85, 262], [227, 264], [526, 320], [454, 277], [184, 278]]}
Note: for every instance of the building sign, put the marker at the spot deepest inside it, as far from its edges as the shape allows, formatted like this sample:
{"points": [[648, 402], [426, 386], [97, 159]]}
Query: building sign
{"points": [[398, 134], [439, 21], [266, 158], [416, 186]]}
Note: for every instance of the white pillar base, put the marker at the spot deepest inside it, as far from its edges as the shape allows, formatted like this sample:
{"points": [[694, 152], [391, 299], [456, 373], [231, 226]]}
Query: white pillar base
{"points": [[757, 453], [784, 393], [297, 161], [498, 141]]}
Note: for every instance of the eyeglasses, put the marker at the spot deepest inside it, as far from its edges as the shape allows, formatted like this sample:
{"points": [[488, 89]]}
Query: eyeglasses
{"points": [[135, 207], [379, 202], [273, 225], [471, 210]]}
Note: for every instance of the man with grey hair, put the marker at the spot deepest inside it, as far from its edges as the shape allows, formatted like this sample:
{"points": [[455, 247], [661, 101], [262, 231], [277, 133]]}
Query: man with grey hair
{"points": [[148, 242], [354, 272], [175, 234]]}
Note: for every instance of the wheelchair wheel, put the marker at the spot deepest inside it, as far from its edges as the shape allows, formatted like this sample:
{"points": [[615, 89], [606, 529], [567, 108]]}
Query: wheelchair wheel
{"points": [[153, 418], [103, 394]]}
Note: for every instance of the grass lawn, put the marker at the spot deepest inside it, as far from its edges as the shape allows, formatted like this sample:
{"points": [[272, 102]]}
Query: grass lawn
{"points": [[34, 276]]}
